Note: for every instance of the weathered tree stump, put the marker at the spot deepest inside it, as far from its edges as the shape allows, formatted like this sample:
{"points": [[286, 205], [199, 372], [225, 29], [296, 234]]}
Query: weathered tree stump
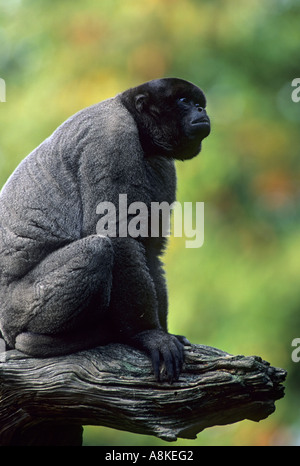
{"points": [[47, 401]]}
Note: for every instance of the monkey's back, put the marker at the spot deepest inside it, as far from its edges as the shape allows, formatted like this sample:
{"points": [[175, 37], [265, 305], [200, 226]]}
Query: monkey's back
{"points": [[40, 204], [51, 198]]}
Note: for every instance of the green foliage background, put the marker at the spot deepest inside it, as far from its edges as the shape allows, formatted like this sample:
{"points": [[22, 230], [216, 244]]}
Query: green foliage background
{"points": [[240, 291]]}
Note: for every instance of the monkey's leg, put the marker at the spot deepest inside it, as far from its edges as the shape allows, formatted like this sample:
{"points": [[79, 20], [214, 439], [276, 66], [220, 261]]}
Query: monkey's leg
{"points": [[54, 300]]}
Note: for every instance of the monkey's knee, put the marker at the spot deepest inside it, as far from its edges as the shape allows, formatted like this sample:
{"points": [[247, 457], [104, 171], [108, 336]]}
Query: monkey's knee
{"points": [[57, 294], [83, 270], [94, 253], [89, 259]]}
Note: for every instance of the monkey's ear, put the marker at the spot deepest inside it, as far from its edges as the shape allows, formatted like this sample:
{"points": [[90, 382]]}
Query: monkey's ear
{"points": [[140, 101]]}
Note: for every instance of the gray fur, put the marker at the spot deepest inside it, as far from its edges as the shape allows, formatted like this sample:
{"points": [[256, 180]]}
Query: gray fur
{"points": [[48, 216], [62, 287]]}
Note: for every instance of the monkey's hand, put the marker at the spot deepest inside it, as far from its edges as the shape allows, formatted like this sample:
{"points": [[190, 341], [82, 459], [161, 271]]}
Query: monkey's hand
{"points": [[165, 351]]}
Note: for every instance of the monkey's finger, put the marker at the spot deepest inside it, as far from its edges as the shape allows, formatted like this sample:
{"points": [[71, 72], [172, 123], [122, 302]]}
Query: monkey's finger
{"points": [[183, 340], [177, 364], [180, 350], [169, 364], [173, 359], [155, 358], [178, 356]]}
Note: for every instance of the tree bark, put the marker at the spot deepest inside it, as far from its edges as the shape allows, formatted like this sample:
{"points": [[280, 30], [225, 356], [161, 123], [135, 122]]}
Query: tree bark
{"points": [[47, 401]]}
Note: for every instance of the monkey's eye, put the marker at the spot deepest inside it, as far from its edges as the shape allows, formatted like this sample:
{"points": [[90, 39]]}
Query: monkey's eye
{"points": [[184, 100]]}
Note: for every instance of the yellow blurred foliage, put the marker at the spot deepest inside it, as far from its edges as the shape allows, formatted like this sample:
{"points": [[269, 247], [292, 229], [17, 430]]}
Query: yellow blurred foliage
{"points": [[86, 30], [148, 61], [265, 141], [276, 189]]}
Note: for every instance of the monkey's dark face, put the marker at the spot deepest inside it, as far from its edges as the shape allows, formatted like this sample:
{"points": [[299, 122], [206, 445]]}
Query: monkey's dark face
{"points": [[195, 124], [171, 117]]}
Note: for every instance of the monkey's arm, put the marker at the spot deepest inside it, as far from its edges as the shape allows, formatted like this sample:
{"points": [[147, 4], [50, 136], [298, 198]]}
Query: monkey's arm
{"points": [[134, 309], [158, 276]]}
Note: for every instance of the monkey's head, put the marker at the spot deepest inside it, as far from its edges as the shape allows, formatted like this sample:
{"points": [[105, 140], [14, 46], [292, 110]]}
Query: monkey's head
{"points": [[170, 115]]}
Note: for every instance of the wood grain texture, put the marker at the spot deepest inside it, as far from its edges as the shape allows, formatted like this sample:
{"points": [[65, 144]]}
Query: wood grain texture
{"points": [[45, 400]]}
